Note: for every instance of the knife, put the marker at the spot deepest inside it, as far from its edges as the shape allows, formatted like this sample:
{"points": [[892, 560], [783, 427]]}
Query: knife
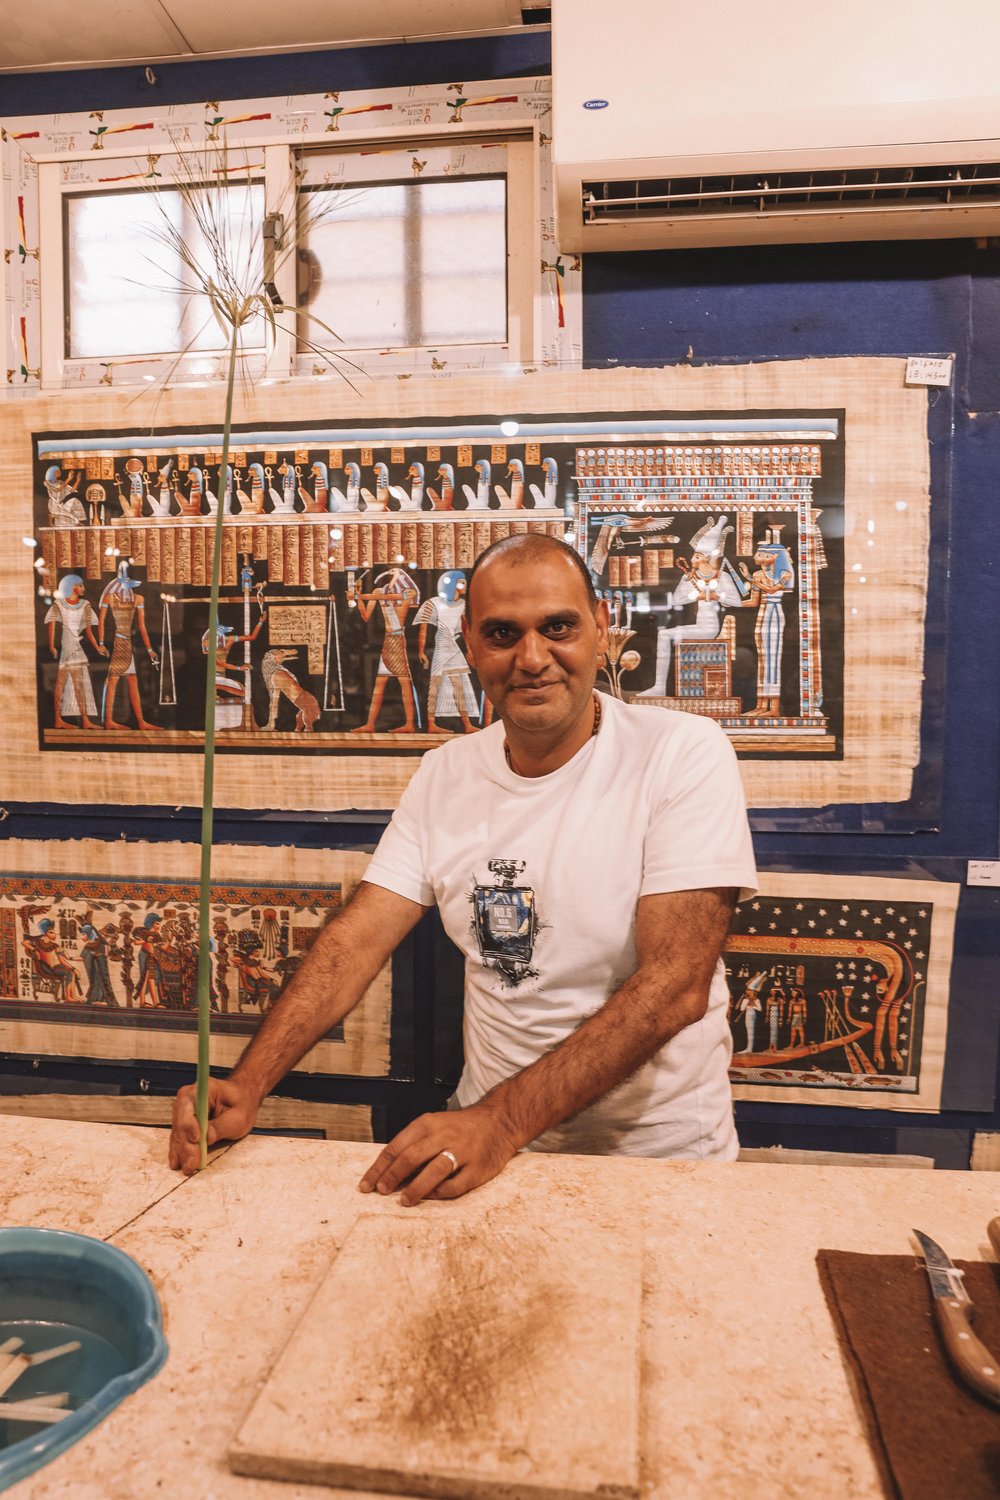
{"points": [[954, 1313]]}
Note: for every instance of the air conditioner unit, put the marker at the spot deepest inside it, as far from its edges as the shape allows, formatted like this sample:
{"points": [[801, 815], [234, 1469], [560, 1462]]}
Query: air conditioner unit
{"points": [[730, 122]]}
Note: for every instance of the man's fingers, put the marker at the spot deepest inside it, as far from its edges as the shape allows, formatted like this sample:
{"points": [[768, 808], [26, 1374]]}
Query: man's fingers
{"points": [[183, 1104], [454, 1186], [398, 1161], [228, 1124], [429, 1182]]}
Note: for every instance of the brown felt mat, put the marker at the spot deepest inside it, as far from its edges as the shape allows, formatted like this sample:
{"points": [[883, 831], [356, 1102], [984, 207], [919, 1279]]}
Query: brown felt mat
{"points": [[932, 1437]]}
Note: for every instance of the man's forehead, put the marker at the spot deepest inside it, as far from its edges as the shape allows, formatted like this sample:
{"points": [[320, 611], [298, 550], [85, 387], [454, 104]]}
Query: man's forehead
{"points": [[544, 584]]}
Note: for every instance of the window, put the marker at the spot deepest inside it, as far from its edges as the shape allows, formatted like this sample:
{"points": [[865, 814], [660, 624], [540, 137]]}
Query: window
{"points": [[413, 263], [418, 246], [128, 289]]}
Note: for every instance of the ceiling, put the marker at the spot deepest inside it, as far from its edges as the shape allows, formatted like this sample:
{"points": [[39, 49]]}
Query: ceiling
{"points": [[66, 33]]}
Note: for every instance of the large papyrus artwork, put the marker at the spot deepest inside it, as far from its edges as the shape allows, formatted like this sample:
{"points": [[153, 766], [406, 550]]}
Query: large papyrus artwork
{"points": [[839, 990], [760, 535], [99, 950]]}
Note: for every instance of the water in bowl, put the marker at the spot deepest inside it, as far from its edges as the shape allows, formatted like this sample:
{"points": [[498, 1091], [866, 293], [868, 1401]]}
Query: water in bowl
{"points": [[82, 1372]]}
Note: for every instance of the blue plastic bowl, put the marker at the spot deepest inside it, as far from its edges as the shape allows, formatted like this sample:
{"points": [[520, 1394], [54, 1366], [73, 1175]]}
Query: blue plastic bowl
{"points": [[56, 1287]]}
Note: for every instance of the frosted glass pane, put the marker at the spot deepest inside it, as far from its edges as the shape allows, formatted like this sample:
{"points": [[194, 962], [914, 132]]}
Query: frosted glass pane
{"points": [[411, 263], [129, 291]]}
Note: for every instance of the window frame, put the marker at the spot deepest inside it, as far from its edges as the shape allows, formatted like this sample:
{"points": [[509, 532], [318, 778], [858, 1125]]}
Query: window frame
{"points": [[282, 156]]}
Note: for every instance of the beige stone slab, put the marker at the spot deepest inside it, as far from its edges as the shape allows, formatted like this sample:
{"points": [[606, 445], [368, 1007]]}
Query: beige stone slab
{"points": [[744, 1394], [439, 1361], [89, 1178]]}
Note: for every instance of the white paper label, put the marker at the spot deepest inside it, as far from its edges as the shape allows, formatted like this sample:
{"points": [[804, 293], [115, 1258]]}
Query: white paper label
{"points": [[983, 872], [929, 371]]}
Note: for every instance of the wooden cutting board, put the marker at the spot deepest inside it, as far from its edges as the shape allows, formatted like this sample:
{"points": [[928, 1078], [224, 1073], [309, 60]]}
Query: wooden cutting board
{"points": [[461, 1361]]}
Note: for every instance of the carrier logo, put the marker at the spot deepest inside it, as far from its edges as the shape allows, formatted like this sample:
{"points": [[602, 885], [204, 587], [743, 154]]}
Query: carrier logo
{"points": [[595, 103]]}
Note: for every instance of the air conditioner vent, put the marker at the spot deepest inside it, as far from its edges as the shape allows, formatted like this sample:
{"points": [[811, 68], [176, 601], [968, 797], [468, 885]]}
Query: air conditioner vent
{"points": [[859, 190]]}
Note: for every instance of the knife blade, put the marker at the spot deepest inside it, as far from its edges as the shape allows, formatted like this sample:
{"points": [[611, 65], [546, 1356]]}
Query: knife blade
{"points": [[953, 1311]]}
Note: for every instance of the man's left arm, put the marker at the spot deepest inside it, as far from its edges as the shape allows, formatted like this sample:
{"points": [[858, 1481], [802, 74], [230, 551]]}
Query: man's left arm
{"points": [[679, 936]]}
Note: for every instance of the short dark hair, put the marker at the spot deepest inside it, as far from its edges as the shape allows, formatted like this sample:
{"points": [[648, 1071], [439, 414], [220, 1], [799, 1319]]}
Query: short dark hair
{"points": [[533, 546]]}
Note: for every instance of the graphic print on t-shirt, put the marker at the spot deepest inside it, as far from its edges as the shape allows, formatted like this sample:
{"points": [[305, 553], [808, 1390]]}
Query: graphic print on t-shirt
{"points": [[505, 922]]}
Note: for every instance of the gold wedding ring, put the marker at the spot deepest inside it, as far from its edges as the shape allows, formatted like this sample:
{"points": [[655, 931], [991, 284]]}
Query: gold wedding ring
{"points": [[454, 1163]]}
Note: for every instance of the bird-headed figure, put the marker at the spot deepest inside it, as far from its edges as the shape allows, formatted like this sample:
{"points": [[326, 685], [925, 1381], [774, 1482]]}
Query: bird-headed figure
{"points": [[284, 503], [380, 499], [227, 497], [548, 496], [443, 498], [196, 493], [253, 503], [160, 506], [479, 498], [514, 498], [413, 498]]}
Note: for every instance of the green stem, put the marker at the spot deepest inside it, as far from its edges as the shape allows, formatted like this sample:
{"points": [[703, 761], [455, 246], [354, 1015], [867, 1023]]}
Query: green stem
{"points": [[205, 879]]}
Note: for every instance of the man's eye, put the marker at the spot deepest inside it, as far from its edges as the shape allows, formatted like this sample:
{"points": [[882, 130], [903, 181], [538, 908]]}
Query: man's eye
{"points": [[558, 628]]}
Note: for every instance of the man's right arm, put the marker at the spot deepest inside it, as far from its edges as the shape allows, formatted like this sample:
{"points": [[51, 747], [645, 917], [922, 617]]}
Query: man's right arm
{"points": [[339, 967]]}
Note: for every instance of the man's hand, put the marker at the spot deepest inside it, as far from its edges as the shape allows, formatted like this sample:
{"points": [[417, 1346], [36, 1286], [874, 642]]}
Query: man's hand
{"points": [[480, 1143], [232, 1110]]}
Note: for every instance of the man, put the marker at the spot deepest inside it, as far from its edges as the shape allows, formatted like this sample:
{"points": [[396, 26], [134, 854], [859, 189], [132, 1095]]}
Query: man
{"points": [[585, 855]]}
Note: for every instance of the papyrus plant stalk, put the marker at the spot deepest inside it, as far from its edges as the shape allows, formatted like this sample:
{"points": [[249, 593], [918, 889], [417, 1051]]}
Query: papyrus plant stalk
{"points": [[233, 267]]}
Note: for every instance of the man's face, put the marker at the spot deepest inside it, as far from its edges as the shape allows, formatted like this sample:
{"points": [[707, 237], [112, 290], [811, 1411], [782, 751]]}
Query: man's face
{"points": [[534, 641]]}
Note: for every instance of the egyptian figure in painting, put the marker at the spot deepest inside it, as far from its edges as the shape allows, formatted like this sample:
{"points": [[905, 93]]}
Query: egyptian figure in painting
{"points": [[122, 598], [95, 962], [230, 694], [750, 1005], [380, 500], [284, 503], [227, 500], [479, 498], [797, 1017], [50, 961], [774, 1014], [150, 992], [413, 498], [65, 505], [773, 576], [450, 693], [260, 986], [351, 500], [443, 498], [73, 691], [512, 499], [395, 594], [322, 496], [252, 504], [160, 507], [549, 495], [709, 583], [280, 681], [191, 504]]}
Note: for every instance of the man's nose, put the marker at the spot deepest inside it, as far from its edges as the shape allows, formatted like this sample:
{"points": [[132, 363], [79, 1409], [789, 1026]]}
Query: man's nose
{"points": [[532, 652]]}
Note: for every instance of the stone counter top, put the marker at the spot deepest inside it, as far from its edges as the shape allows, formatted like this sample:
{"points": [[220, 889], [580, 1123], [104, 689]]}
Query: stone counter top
{"points": [[744, 1392]]}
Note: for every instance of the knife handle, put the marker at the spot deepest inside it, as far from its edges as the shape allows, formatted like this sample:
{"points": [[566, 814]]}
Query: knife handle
{"points": [[969, 1355]]}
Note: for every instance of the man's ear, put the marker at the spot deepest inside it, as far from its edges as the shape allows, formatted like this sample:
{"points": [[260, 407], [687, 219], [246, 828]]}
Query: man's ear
{"points": [[603, 620]]}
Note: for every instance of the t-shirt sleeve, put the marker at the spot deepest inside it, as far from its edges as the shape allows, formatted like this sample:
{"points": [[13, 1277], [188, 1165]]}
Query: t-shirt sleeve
{"points": [[398, 863], [699, 834]]}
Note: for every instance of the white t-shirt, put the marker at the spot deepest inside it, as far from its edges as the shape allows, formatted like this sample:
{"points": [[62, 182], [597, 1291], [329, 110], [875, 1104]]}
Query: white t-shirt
{"points": [[537, 881]]}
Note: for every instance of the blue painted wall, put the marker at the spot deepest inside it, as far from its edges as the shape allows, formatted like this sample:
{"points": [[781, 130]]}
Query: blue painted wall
{"points": [[723, 306]]}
